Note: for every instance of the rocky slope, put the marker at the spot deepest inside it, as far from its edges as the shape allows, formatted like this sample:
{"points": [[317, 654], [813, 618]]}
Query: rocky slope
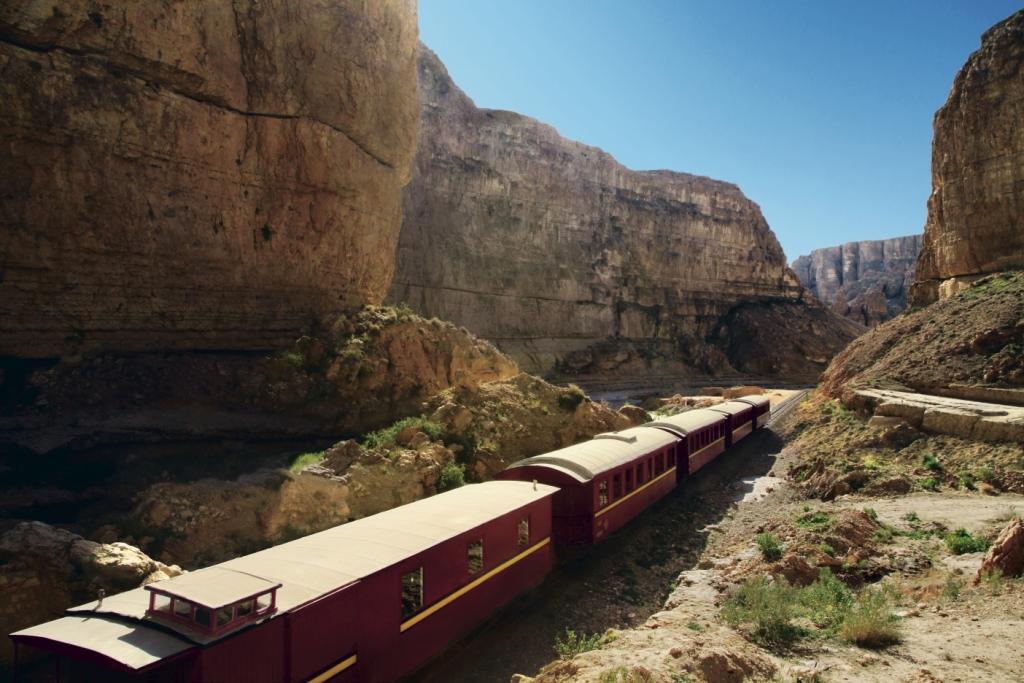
{"points": [[975, 209], [973, 338], [864, 281], [347, 374], [569, 261], [198, 175]]}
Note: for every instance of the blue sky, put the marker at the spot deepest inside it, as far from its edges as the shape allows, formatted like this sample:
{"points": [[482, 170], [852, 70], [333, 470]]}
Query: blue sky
{"points": [[821, 111]]}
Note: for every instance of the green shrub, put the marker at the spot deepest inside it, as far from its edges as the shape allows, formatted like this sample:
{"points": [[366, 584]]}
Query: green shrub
{"points": [[967, 481], [769, 607], [986, 474], [574, 643], [994, 580], [814, 520], [452, 476], [960, 542], [694, 626], [304, 460], [827, 600], [930, 484], [951, 589], [769, 546], [870, 621], [385, 438], [572, 397], [912, 517], [930, 462], [870, 512], [827, 549]]}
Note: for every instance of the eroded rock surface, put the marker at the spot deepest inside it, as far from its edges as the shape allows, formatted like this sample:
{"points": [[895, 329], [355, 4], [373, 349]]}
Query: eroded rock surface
{"points": [[864, 281], [974, 212], [567, 260], [206, 175]]}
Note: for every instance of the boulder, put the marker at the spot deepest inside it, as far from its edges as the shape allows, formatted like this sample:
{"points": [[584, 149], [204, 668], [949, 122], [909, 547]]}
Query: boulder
{"points": [[1006, 554], [635, 415], [736, 392]]}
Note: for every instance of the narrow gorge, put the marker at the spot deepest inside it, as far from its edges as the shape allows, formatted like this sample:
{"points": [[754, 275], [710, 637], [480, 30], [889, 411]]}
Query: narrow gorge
{"points": [[576, 265]]}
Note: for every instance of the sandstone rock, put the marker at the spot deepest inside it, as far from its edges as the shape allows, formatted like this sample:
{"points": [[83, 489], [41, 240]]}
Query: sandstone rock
{"points": [[736, 392], [635, 415], [796, 570], [569, 261], [1007, 553], [864, 281], [198, 175], [974, 211], [711, 391]]}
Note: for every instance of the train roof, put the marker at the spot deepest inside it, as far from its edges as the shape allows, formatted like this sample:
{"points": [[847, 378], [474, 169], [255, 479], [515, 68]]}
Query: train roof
{"points": [[127, 645], [321, 563], [731, 407], [690, 421], [604, 452], [754, 400]]}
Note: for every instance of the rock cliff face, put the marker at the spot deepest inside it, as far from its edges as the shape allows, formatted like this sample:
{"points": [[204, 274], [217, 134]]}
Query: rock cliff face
{"points": [[975, 210], [864, 281], [198, 175], [568, 260]]}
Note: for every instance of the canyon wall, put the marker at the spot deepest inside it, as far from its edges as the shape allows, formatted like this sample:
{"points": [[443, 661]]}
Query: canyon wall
{"points": [[198, 175], [974, 224], [864, 281], [575, 264]]}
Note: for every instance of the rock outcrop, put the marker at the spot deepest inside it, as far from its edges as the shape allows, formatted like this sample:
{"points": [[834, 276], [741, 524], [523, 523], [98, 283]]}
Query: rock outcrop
{"points": [[1006, 555], [44, 570], [347, 374], [975, 211], [569, 261], [206, 175], [864, 281]]}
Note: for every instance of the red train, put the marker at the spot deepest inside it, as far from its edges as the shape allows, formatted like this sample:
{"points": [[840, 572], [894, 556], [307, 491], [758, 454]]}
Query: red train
{"points": [[375, 599]]}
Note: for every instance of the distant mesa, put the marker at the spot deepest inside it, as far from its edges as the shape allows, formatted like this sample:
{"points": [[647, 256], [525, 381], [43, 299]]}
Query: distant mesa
{"points": [[576, 265], [866, 282]]}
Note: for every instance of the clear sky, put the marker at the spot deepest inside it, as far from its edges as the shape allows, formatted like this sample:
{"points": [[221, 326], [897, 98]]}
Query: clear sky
{"points": [[820, 110]]}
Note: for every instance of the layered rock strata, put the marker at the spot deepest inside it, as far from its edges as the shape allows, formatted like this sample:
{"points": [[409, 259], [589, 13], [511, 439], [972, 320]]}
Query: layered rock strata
{"points": [[204, 175], [569, 261], [866, 282], [974, 224]]}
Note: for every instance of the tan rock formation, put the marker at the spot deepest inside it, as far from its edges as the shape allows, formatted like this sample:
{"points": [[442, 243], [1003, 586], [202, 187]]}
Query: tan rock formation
{"points": [[974, 224], [207, 175], [864, 281], [564, 258], [44, 570], [1006, 555]]}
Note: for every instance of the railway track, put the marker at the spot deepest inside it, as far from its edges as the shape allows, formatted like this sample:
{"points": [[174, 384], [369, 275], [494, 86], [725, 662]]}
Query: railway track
{"points": [[783, 409]]}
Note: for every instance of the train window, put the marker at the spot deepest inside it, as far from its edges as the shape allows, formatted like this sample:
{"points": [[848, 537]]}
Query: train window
{"points": [[602, 494], [617, 486], [202, 616], [224, 615], [629, 480], [524, 532], [244, 608], [161, 603], [475, 556], [412, 592], [672, 458], [183, 608], [263, 602], [639, 474]]}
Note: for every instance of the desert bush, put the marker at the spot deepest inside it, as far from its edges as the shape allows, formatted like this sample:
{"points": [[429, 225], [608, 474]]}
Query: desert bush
{"points": [[572, 397], [952, 587], [383, 438], [870, 621], [930, 484], [960, 542], [452, 476], [769, 606], [814, 520], [930, 462], [993, 580], [304, 460], [571, 643], [827, 600], [769, 546]]}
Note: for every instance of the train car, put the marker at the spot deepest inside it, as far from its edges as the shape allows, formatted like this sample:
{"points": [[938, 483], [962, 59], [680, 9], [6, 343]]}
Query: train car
{"points": [[603, 483], [701, 434], [739, 417], [762, 409], [371, 600]]}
